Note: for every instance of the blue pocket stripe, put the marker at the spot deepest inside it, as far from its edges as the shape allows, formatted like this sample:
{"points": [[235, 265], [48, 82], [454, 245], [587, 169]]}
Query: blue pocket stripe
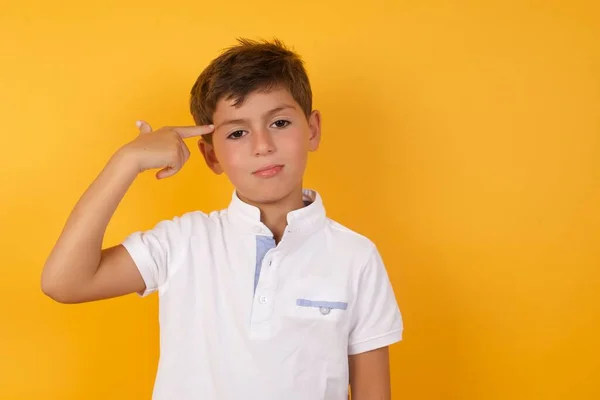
{"points": [[337, 305]]}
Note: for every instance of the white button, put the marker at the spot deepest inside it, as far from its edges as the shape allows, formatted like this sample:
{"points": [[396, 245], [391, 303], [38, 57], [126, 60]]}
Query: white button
{"points": [[325, 310], [263, 299]]}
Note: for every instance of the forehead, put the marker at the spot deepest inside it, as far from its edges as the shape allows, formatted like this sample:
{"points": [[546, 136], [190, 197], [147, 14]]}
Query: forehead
{"points": [[254, 105]]}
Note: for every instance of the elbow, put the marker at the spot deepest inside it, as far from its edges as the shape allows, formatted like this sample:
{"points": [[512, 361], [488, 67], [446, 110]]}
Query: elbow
{"points": [[59, 296], [56, 292]]}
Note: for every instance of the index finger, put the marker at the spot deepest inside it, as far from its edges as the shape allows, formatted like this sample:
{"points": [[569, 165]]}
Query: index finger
{"points": [[192, 131]]}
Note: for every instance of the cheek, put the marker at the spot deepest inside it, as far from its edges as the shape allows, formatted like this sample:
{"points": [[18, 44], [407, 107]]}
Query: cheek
{"points": [[229, 155], [296, 143]]}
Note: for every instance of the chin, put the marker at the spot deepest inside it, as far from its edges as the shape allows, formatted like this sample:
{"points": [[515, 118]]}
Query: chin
{"points": [[266, 194]]}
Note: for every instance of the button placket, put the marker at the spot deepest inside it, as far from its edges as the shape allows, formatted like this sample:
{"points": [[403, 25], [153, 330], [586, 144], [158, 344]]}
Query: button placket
{"points": [[271, 259], [265, 296]]}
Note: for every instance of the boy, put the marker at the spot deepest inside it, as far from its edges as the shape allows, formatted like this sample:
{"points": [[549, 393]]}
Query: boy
{"points": [[267, 299]]}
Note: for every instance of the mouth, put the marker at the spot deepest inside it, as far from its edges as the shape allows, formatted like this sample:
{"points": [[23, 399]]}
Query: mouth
{"points": [[268, 171]]}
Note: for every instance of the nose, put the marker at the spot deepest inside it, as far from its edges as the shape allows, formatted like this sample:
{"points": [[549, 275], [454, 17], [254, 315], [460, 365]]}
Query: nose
{"points": [[263, 143]]}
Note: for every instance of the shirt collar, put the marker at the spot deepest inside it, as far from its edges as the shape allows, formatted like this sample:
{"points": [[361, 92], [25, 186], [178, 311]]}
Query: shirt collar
{"points": [[301, 221]]}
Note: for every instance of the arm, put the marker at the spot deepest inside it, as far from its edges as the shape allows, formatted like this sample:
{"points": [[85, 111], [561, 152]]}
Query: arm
{"points": [[370, 375], [77, 269], [377, 324]]}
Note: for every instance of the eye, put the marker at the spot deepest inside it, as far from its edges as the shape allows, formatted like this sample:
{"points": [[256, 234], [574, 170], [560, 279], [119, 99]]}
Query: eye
{"points": [[282, 123], [237, 135]]}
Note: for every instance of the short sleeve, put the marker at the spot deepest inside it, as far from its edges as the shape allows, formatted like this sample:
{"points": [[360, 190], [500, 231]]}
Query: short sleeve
{"points": [[153, 251], [377, 321]]}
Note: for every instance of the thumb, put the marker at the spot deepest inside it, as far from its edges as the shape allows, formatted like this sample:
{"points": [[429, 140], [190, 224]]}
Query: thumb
{"points": [[166, 172], [143, 126]]}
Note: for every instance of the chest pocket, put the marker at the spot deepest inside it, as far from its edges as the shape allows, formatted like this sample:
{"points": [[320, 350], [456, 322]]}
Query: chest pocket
{"points": [[324, 307], [317, 300]]}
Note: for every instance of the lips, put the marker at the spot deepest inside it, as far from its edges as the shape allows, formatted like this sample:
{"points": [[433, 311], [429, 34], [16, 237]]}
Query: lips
{"points": [[268, 171]]}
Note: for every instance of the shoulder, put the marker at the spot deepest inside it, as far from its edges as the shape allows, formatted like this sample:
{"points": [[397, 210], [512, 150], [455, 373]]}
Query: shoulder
{"points": [[189, 223], [349, 241]]}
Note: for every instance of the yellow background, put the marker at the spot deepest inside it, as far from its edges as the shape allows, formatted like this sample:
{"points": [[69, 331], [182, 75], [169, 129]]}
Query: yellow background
{"points": [[462, 137]]}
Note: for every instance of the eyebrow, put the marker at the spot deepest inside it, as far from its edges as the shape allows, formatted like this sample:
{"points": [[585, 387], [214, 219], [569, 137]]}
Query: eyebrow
{"points": [[267, 114]]}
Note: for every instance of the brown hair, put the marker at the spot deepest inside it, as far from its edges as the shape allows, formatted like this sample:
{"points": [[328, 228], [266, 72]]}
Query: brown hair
{"points": [[245, 68]]}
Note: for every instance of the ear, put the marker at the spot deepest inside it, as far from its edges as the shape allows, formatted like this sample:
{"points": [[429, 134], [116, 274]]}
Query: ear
{"points": [[208, 151], [314, 125]]}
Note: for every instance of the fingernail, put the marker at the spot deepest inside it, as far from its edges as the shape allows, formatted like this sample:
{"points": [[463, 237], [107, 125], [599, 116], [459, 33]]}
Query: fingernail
{"points": [[138, 123]]}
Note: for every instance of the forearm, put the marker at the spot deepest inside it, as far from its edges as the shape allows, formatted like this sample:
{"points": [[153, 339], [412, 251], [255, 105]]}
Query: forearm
{"points": [[78, 250]]}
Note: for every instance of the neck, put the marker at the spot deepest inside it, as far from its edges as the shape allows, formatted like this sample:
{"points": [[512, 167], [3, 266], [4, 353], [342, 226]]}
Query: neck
{"points": [[274, 214]]}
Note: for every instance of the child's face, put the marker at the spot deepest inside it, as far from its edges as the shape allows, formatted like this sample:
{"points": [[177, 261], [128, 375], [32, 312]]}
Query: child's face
{"points": [[263, 145]]}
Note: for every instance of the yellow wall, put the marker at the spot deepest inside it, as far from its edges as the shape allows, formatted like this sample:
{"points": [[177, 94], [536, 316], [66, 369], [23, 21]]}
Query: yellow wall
{"points": [[463, 139]]}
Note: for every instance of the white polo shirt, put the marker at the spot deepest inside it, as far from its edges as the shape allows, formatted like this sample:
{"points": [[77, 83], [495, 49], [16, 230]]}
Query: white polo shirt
{"points": [[241, 318]]}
